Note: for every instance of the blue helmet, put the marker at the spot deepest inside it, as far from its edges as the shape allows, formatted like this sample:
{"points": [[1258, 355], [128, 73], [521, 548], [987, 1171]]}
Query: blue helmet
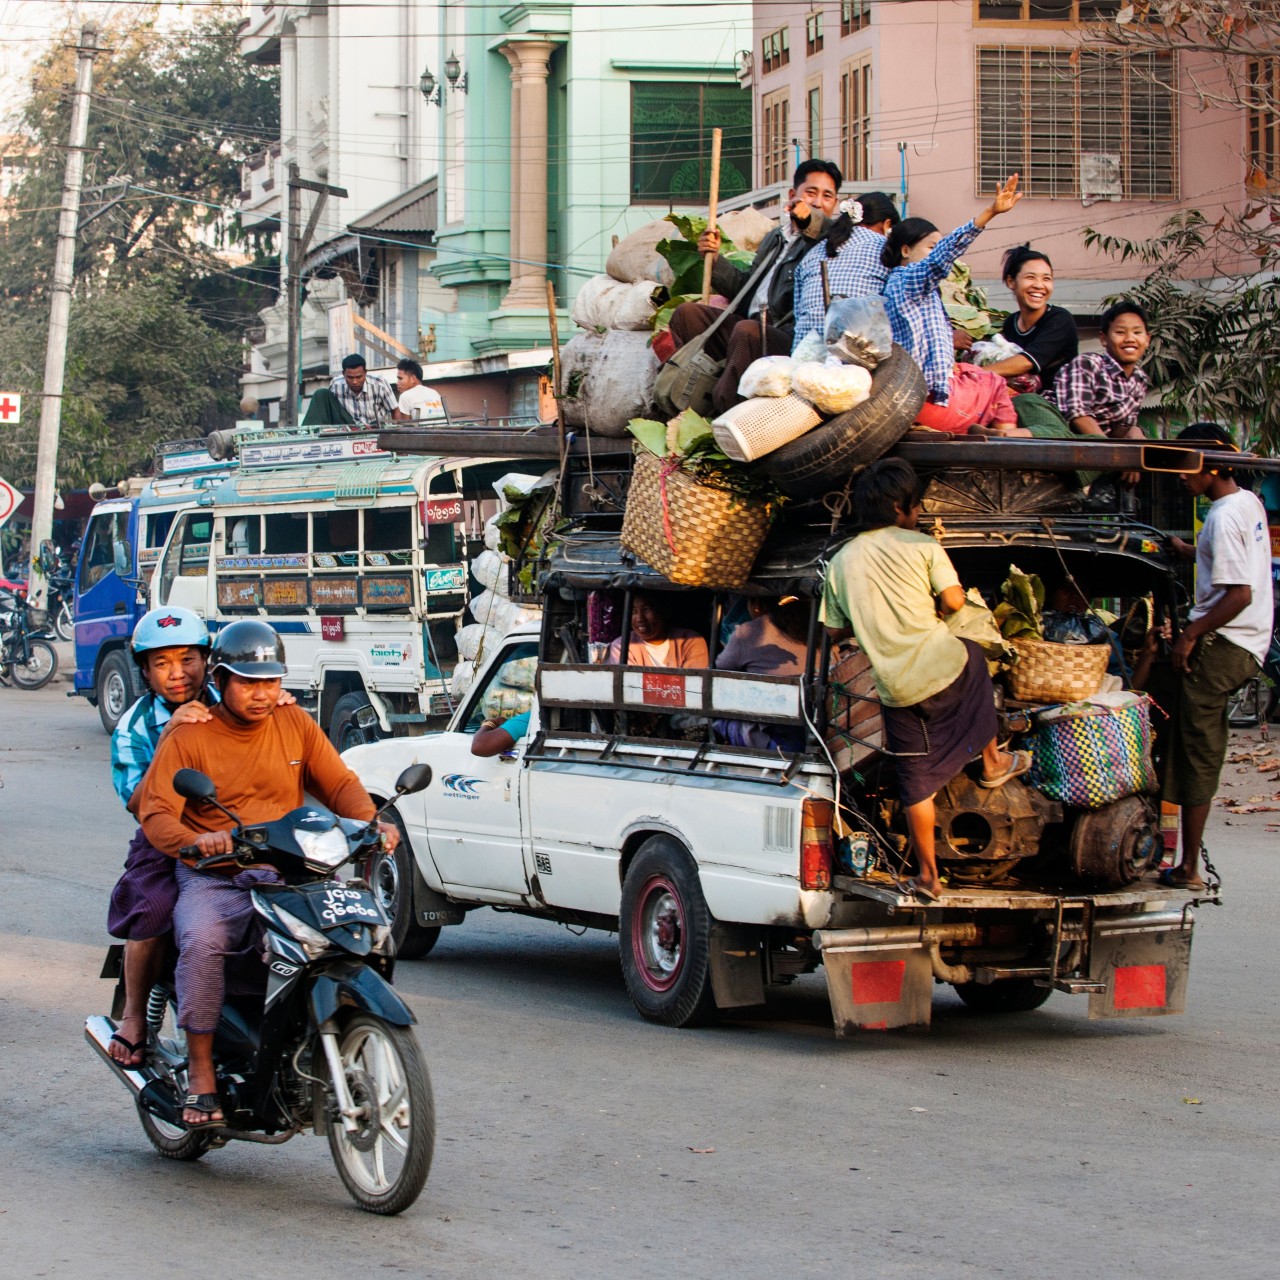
{"points": [[169, 628]]}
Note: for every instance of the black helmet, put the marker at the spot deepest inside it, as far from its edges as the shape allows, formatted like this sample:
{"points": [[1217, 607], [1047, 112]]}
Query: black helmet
{"points": [[248, 648]]}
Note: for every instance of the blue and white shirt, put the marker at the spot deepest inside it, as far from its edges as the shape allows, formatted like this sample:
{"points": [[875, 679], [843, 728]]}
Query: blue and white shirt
{"points": [[920, 322], [855, 272], [137, 734]]}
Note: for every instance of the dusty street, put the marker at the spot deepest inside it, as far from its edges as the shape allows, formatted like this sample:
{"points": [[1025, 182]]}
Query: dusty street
{"points": [[576, 1140]]}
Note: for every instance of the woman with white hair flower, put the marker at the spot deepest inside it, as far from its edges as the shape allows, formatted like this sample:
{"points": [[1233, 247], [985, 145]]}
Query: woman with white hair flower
{"points": [[851, 251]]}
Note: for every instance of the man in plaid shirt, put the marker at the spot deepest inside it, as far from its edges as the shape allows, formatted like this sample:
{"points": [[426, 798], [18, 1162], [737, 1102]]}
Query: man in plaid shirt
{"points": [[367, 399], [1100, 392]]}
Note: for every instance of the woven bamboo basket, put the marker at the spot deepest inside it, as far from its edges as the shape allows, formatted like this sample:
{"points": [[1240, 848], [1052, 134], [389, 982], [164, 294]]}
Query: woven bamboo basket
{"points": [[1047, 672], [690, 533]]}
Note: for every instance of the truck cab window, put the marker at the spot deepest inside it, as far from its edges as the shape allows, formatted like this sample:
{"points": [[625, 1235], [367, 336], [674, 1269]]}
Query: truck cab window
{"points": [[509, 690], [188, 553], [98, 557]]}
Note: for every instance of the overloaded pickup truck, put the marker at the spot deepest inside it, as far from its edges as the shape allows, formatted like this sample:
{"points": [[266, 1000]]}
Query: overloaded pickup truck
{"points": [[725, 870]]}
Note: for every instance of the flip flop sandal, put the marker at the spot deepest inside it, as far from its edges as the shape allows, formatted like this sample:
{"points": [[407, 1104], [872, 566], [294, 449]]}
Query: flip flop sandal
{"points": [[206, 1102], [1167, 878], [920, 891], [131, 1049], [1021, 764]]}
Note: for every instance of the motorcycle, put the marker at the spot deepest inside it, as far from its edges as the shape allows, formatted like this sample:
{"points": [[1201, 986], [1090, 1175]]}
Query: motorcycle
{"points": [[61, 619], [329, 1046], [26, 658]]}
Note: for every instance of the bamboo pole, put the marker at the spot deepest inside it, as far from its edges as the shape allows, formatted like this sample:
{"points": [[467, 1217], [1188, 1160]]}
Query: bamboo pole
{"points": [[556, 370], [712, 211]]}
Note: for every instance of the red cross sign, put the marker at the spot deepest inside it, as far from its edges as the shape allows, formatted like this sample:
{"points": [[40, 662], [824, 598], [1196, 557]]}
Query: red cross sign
{"points": [[10, 408]]}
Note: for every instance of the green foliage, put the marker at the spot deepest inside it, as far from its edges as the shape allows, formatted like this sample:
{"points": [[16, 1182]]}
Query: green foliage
{"points": [[165, 283], [1019, 614], [695, 446], [1215, 348], [966, 304], [686, 263]]}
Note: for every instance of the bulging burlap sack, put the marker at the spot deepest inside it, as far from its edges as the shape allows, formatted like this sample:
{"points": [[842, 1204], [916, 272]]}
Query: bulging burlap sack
{"points": [[636, 256], [608, 380]]}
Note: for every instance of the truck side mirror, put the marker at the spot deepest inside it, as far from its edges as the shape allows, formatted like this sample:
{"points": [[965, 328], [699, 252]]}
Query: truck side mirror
{"points": [[123, 557]]}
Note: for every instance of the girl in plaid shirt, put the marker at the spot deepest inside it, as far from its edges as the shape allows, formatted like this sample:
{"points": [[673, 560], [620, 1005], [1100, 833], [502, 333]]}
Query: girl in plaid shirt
{"points": [[919, 258]]}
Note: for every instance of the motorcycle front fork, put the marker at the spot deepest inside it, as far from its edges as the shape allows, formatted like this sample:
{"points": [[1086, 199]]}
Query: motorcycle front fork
{"points": [[347, 1110]]}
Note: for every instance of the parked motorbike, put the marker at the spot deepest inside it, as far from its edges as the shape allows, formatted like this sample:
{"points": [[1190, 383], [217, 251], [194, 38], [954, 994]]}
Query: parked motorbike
{"points": [[61, 594], [26, 658], [329, 1045], [1254, 702]]}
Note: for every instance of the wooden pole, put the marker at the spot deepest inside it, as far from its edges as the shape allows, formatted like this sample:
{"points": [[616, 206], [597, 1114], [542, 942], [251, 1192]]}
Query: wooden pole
{"points": [[712, 211], [556, 369]]}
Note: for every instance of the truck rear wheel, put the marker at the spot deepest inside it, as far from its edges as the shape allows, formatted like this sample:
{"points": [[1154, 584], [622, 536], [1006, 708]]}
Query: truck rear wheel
{"points": [[1012, 995], [664, 937]]}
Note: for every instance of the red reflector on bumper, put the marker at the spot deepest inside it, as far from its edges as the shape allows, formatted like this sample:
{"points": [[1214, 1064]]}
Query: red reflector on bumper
{"points": [[1140, 986], [878, 981]]}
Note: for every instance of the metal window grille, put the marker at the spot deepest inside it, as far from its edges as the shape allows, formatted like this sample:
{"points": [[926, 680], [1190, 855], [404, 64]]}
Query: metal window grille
{"points": [[855, 121], [777, 123], [1039, 108]]}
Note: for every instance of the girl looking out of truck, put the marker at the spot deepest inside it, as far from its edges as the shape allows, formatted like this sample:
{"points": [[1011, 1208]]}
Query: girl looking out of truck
{"points": [[1046, 334], [885, 588], [919, 258], [655, 642], [772, 642]]}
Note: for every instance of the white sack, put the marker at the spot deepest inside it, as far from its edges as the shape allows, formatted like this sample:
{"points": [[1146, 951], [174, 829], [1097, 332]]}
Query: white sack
{"points": [[768, 376], [636, 257], [746, 227], [520, 481], [463, 674], [611, 378], [476, 642], [831, 387], [490, 569], [604, 303]]}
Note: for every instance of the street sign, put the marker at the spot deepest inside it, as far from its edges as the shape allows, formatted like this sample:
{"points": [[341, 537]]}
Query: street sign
{"points": [[10, 408], [10, 500]]}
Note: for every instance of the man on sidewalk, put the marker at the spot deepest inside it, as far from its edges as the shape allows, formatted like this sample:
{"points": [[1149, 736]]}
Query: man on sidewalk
{"points": [[1223, 645]]}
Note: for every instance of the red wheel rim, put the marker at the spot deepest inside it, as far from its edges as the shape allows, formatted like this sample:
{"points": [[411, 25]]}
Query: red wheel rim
{"points": [[657, 934]]}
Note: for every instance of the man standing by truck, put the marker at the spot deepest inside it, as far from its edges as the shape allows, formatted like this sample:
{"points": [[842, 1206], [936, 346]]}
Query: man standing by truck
{"points": [[1222, 646]]}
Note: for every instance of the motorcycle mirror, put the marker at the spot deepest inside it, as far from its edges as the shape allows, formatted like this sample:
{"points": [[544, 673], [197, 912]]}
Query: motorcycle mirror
{"points": [[191, 784], [417, 777]]}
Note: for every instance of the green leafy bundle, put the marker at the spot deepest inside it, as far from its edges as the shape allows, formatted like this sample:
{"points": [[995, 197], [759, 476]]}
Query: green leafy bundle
{"points": [[1020, 613], [686, 263]]}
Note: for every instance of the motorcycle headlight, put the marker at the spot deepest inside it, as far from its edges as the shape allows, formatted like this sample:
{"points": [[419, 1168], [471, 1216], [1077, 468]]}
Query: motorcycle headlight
{"points": [[327, 849], [313, 942]]}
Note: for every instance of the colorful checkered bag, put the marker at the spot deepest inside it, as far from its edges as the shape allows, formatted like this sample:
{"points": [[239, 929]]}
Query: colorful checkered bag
{"points": [[1090, 753]]}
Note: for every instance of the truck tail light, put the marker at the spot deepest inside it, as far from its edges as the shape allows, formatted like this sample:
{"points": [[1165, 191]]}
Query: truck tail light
{"points": [[815, 844]]}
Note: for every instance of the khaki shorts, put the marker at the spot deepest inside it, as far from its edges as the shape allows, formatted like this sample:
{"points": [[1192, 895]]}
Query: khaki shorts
{"points": [[1197, 742]]}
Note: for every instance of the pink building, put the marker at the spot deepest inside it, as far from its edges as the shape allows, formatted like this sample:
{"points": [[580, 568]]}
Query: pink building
{"points": [[937, 102]]}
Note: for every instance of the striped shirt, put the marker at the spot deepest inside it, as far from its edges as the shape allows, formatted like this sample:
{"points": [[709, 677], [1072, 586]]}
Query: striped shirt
{"points": [[920, 322], [1095, 386], [855, 272], [373, 404], [136, 736]]}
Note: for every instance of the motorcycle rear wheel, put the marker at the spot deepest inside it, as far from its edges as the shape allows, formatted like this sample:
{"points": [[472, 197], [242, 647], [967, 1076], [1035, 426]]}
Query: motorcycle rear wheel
{"points": [[385, 1163], [39, 668], [64, 624], [170, 1140]]}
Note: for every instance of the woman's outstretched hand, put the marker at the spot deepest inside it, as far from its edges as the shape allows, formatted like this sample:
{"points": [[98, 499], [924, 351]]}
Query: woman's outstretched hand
{"points": [[1007, 195]]}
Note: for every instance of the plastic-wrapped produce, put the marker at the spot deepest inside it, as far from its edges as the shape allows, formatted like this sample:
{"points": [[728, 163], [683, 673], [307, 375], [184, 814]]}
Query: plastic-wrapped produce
{"points": [[490, 570], [492, 535], [768, 376], [831, 387], [476, 642], [812, 347], [463, 674], [994, 349], [858, 331]]}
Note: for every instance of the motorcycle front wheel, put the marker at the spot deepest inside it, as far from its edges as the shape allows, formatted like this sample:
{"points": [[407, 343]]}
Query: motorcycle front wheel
{"points": [[64, 624], [39, 668], [384, 1163]]}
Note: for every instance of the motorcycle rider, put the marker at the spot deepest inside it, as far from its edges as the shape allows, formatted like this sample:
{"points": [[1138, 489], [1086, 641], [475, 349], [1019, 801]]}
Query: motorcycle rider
{"points": [[261, 757], [171, 648]]}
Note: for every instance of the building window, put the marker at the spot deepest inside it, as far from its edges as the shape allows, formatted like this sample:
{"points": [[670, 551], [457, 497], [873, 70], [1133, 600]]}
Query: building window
{"points": [[1078, 123], [813, 103], [855, 120], [775, 49], [671, 125], [813, 33], [1058, 12], [776, 124], [1263, 104], [854, 15]]}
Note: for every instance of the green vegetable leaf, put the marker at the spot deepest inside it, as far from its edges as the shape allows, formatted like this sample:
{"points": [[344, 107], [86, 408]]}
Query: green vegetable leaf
{"points": [[692, 429], [652, 435]]}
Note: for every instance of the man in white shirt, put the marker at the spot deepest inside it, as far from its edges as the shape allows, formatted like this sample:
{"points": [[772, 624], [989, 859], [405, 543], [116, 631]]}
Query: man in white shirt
{"points": [[416, 401], [1223, 645]]}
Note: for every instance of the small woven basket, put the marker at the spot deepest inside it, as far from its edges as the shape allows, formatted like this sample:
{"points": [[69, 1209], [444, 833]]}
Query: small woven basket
{"points": [[1093, 753], [1047, 672], [755, 427], [690, 533]]}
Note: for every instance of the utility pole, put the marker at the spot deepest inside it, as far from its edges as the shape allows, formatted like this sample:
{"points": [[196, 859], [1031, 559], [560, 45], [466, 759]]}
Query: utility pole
{"points": [[299, 241], [55, 358]]}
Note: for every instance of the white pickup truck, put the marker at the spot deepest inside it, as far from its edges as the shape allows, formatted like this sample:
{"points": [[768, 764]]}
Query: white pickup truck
{"points": [[720, 867]]}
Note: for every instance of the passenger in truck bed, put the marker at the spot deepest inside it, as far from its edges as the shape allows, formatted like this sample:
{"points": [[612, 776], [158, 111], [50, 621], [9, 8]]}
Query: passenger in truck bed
{"points": [[885, 587], [772, 642], [655, 642]]}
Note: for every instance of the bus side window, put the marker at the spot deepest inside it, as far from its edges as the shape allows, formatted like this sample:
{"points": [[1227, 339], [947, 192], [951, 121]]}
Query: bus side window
{"points": [[336, 531]]}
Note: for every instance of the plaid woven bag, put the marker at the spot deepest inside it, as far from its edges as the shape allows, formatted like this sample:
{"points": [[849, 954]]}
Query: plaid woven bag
{"points": [[1089, 754]]}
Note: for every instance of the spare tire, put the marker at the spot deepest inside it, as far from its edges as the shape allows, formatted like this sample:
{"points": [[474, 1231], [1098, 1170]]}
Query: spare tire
{"points": [[822, 459]]}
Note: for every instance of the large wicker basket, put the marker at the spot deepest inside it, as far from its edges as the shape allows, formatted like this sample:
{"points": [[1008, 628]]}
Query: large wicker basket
{"points": [[690, 533], [1047, 672]]}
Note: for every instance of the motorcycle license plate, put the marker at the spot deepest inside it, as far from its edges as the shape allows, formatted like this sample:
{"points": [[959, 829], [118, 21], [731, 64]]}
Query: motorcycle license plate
{"points": [[339, 905]]}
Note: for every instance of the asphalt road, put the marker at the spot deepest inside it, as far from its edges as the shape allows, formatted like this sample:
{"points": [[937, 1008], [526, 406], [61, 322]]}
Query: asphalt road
{"points": [[577, 1140]]}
